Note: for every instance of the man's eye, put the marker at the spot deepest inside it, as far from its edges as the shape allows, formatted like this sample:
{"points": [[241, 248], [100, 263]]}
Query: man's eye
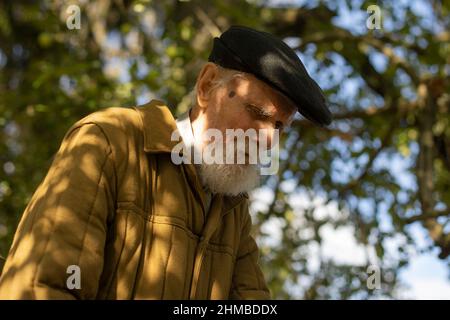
{"points": [[262, 116], [257, 112]]}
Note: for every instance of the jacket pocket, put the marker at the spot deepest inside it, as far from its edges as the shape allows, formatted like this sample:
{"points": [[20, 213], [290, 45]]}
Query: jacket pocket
{"points": [[168, 259]]}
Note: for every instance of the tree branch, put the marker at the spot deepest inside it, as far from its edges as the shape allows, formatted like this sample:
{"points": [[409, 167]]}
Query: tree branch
{"points": [[425, 216], [425, 170], [372, 156]]}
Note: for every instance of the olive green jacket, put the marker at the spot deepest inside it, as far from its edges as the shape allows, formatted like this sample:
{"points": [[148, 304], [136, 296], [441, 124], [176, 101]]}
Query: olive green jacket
{"points": [[115, 205]]}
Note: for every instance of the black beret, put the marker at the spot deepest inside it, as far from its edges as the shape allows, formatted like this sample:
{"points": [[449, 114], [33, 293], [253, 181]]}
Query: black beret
{"points": [[274, 62]]}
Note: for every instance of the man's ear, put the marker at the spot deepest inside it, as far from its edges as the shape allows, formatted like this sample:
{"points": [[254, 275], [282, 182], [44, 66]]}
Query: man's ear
{"points": [[205, 81]]}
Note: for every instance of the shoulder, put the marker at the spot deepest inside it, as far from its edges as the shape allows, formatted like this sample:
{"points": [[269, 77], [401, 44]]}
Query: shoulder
{"points": [[118, 129], [113, 121]]}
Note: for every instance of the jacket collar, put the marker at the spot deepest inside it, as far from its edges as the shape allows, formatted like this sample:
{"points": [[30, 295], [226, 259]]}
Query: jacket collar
{"points": [[158, 126]]}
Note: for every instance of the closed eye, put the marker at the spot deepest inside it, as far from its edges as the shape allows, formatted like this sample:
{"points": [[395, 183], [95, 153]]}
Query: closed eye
{"points": [[259, 112], [263, 115]]}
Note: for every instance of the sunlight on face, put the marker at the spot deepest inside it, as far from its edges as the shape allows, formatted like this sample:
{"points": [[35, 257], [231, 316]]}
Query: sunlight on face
{"points": [[241, 102]]}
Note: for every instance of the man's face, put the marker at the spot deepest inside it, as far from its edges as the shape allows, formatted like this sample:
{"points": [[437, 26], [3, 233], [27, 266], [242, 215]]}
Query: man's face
{"points": [[248, 103], [245, 103]]}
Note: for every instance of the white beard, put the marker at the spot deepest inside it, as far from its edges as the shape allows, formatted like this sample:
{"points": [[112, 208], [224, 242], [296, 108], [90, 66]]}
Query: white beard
{"points": [[229, 179]]}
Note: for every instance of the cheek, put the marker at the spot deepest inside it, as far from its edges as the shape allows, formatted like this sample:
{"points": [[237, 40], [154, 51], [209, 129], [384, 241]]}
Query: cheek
{"points": [[232, 116], [242, 120]]}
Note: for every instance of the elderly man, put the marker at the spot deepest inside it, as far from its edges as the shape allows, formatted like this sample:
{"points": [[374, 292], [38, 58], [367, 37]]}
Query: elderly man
{"points": [[116, 218]]}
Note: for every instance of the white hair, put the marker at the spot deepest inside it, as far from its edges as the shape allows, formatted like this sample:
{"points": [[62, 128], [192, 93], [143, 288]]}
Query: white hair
{"points": [[229, 179]]}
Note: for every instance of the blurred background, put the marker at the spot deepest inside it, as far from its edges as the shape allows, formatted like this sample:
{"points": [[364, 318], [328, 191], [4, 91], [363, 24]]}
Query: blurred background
{"points": [[367, 197]]}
